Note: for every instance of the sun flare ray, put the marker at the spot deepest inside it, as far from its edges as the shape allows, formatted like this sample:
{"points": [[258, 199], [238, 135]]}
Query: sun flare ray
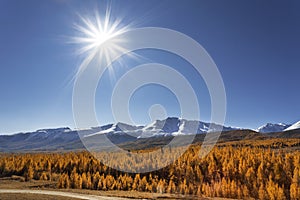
{"points": [[99, 37]]}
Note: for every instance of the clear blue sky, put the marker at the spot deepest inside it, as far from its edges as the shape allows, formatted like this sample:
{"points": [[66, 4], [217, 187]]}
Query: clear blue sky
{"points": [[255, 44]]}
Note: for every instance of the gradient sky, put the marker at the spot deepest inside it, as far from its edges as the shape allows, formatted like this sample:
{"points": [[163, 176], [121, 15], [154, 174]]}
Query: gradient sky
{"points": [[255, 44]]}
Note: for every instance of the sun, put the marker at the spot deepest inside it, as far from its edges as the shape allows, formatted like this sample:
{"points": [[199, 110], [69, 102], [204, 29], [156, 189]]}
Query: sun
{"points": [[95, 32], [99, 37]]}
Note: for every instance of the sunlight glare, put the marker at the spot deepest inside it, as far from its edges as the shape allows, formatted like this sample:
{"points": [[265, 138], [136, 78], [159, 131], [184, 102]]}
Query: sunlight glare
{"points": [[99, 36]]}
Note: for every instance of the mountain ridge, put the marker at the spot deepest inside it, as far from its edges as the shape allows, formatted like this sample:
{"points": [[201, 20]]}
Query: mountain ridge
{"points": [[203, 127], [64, 138], [293, 126], [277, 127], [270, 127]]}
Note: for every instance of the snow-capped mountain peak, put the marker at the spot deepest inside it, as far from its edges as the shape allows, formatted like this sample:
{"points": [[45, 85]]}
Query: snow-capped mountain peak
{"points": [[294, 126], [270, 127], [170, 126], [54, 130]]}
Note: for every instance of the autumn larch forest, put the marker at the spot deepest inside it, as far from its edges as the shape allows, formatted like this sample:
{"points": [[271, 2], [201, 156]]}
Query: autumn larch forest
{"points": [[261, 170]]}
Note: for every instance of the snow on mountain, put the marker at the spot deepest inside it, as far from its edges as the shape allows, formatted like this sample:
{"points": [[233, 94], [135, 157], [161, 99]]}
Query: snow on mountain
{"points": [[66, 139], [117, 129], [294, 126], [171, 126], [42, 139], [269, 128], [161, 127], [50, 133]]}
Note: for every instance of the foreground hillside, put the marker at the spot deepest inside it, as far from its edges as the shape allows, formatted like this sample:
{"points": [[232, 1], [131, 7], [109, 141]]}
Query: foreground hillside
{"points": [[264, 169]]}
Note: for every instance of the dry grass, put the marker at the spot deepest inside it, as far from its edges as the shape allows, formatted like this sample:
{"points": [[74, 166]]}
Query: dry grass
{"points": [[9, 196], [16, 183]]}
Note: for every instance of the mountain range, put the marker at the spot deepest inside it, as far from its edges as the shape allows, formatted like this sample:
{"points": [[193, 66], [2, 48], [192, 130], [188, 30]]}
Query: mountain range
{"points": [[64, 139], [270, 127], [171, 126]]}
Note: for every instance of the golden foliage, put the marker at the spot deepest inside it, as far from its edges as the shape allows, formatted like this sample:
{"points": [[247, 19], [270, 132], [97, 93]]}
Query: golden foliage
{"points": [[233, 171]]}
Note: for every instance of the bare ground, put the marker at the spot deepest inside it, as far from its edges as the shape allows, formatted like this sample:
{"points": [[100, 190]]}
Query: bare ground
{"points": [[18, 196], [15, 182]]}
